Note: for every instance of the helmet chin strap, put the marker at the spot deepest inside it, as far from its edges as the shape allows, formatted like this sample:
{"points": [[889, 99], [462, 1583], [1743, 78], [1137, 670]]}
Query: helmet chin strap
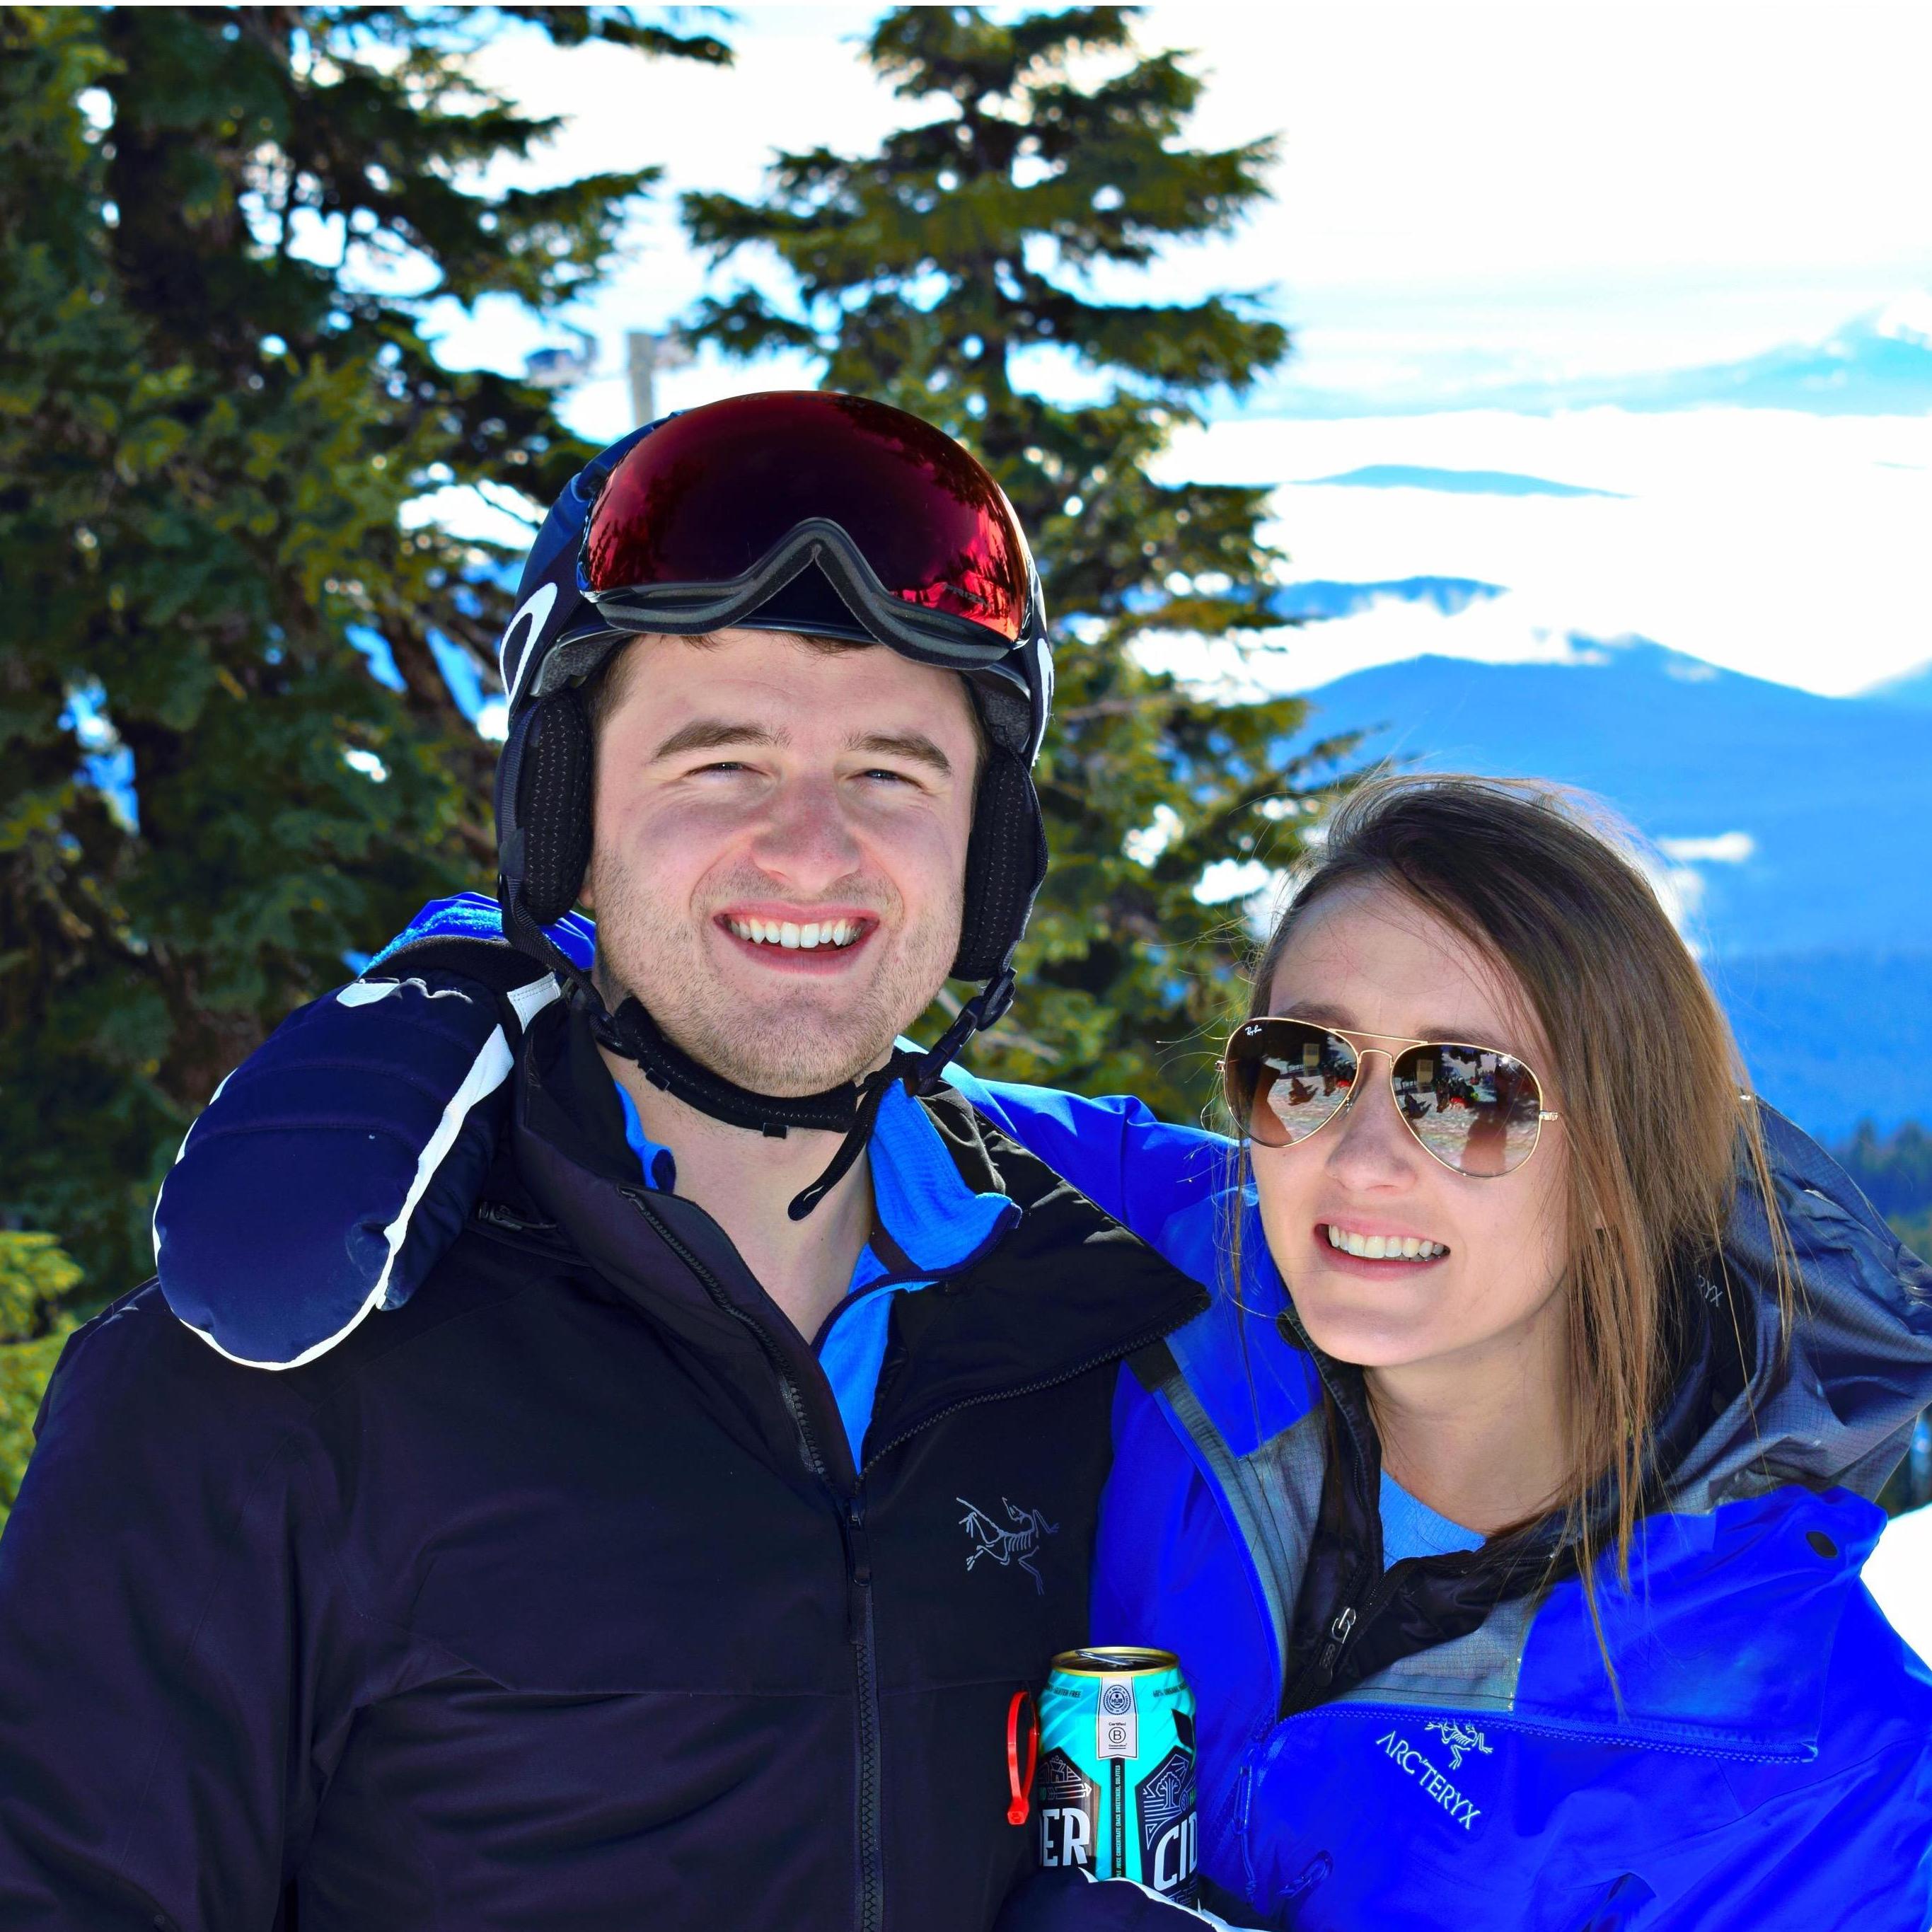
{"points": [[632, 1034], [851, 1109]]}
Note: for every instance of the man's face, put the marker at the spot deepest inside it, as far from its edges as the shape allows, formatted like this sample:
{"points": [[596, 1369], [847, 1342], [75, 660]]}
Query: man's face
{"points": [[778, 861]]}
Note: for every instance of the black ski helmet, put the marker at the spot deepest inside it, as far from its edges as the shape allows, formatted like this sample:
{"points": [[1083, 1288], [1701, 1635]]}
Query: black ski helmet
{"points": [[803, 511]]}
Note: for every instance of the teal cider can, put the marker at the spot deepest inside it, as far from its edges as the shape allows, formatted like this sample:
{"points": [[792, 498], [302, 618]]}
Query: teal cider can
{"points": [[1115, 1785]]}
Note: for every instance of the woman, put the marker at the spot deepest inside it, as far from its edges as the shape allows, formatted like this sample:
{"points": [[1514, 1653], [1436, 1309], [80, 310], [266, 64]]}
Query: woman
{"points": [[1514, 1558]]}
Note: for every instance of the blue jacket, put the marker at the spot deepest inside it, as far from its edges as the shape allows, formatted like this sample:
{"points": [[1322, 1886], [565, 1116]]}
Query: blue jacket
{"points": [[1770, 1764], [1766, 1758]]}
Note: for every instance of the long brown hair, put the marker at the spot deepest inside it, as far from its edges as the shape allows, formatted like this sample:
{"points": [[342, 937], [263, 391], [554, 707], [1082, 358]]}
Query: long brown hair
{"points": [[1656, 1118]]}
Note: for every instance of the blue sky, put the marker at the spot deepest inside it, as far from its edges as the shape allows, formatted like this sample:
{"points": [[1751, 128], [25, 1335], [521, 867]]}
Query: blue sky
{"points": [[1538, 239]]}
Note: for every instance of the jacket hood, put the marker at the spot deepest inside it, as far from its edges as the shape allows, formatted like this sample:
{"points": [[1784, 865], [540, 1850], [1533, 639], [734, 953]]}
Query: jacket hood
{"points": [[1835, 1406]]}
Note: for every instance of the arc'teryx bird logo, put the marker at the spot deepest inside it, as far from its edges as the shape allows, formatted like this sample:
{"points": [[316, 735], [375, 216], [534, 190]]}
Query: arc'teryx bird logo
{"points": [[1460, 1737], [1020, 1544]]}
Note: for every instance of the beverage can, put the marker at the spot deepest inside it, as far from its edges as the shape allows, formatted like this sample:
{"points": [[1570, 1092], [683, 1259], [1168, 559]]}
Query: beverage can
{"points": [[1115, 1785]]}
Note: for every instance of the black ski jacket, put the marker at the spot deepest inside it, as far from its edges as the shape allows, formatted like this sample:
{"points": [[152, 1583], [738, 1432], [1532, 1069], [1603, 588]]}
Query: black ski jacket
{"points": [[552, 1599]]}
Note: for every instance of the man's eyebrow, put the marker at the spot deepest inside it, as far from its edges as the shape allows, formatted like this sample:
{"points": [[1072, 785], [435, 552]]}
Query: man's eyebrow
{"points": [[708, 734], [913, 745]]}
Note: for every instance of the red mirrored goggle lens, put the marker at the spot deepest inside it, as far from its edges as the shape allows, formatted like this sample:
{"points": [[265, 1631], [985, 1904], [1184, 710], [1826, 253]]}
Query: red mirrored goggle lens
{"points": [[1475, 1109], [707, 497]]}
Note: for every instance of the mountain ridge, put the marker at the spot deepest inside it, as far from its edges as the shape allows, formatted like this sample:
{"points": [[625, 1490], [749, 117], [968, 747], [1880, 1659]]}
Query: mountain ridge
{"points": [[1790, 828]]}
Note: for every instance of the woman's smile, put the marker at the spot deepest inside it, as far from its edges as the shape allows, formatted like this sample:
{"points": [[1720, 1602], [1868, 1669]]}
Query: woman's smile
{"points": [[1360, 1243]]}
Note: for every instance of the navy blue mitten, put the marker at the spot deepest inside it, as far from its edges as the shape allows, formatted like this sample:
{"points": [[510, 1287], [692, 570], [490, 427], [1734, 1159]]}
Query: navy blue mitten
{"points": [[335, 1165]]}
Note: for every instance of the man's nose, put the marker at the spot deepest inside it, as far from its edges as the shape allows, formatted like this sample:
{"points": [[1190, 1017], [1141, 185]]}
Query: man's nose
{"points": [[803, 838]]}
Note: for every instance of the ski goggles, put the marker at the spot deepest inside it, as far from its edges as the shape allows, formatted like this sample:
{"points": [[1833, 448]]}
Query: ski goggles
{"points": [[1477, 1109], [712, 514]]}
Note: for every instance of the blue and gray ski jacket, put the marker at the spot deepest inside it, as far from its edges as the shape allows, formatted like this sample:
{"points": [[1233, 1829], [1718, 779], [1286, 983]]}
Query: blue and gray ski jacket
{"points": [[1438, 1744]]}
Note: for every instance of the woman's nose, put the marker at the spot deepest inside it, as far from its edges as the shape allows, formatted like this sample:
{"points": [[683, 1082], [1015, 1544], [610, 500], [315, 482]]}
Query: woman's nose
{"points": [[1372, 1146]]}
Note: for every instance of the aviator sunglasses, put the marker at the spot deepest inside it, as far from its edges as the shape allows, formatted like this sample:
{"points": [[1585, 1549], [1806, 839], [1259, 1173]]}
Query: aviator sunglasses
{"points": [[1477, 1110]]}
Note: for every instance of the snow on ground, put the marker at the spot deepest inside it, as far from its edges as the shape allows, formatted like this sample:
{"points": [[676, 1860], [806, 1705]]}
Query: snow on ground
{"points": [[1899, 1574]]}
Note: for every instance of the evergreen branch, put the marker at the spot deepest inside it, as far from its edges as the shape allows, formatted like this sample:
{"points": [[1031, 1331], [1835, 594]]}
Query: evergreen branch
{"points": [[619, 27]]}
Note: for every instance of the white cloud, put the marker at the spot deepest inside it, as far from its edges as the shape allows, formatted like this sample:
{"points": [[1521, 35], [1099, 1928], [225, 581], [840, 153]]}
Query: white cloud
{"points": [[502, 516], [1146, 843], [1727, 848], [1786, 546], [1606, 185]]}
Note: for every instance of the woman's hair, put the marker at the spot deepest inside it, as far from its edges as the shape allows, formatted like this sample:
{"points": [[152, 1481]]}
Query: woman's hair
{"points": [[1647, 1078]]}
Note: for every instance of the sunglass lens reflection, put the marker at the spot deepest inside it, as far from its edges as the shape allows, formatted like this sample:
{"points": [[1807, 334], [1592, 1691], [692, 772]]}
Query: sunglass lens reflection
{"points": [[1475, 1111], [1294, 1077]]}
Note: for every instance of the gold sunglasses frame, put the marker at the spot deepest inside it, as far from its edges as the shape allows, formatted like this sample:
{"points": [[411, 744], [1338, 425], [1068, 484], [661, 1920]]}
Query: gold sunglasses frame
{"points": [[1392, 1047]]}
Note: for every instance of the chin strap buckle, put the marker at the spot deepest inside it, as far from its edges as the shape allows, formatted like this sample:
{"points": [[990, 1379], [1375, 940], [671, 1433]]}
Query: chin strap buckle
{"points": [[978, 1013], [922, 1072]]}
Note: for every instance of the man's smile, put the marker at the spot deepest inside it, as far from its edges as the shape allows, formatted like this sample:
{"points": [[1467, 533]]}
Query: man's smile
{"points": [[815, 940]]}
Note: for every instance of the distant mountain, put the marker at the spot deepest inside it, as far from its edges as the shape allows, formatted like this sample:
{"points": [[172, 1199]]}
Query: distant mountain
{"points": [[1793, 828], [1324, 597], [1878, 365], [1912, 688], [1452, 482]]}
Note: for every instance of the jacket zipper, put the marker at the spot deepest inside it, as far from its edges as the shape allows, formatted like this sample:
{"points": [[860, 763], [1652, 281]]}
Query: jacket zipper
{"points": [[1361, 1603], [859, 1568], [1314, 1680], [871, 1913], [768, 1345], [871, 1856]]}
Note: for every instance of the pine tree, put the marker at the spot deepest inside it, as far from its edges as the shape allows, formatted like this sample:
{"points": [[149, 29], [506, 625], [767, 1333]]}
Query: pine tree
{"points": [[939, 274], [36, 1278], [216, 402]]}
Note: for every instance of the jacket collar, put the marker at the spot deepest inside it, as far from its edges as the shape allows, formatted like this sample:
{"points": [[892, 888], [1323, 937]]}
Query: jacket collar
{"points": [[1037, 1282]]}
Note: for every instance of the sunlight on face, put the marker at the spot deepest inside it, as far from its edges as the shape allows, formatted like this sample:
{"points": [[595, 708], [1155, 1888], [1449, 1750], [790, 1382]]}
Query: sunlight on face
{"points": [[780, 853], [1369, 958]]}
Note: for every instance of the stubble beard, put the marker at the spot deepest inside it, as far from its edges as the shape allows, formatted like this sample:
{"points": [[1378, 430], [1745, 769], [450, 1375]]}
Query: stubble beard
{"points": [[799, 1039]]}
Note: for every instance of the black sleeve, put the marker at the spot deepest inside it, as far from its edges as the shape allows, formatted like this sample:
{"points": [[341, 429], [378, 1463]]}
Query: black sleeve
{"points": [[172, 1684]]}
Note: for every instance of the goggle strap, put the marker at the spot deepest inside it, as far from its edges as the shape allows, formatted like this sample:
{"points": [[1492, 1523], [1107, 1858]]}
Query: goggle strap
{"points": [[690, 609]]}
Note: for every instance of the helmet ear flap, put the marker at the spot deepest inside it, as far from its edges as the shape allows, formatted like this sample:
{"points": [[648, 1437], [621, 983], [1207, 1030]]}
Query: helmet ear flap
{"points": [[546, 779], [1006, 861]]}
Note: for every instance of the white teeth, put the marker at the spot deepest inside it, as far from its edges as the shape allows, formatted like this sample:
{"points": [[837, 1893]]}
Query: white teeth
{"points": [[794, 937], [1383, 1247]]}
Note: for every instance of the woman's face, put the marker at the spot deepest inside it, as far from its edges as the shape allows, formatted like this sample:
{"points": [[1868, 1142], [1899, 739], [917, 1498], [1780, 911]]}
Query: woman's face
{"points": [[1368, 958]]}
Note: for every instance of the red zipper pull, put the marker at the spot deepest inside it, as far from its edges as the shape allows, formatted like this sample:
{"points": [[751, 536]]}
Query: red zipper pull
{"points": [[1021, 1786]]}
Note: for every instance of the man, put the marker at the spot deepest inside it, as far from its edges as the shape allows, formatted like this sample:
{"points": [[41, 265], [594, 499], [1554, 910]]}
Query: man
{"points": [[628, 1564]]}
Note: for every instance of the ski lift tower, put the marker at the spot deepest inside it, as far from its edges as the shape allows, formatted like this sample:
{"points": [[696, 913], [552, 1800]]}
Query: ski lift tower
{"points": [[562, 368], [645, 355]]}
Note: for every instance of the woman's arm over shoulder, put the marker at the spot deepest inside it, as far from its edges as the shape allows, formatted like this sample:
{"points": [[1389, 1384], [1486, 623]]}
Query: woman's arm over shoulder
{"points": [[1117, 1151]]}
